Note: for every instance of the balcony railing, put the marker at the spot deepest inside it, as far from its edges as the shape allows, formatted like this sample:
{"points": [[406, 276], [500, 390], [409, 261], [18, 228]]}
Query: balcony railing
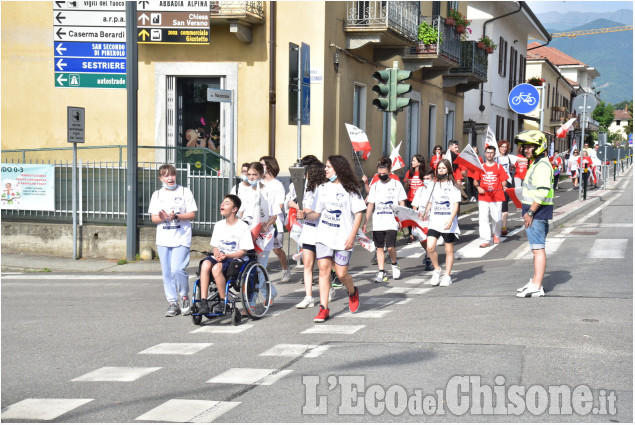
{"points": [[398, 16], [449, 45], [251, 11], [473, 61]]}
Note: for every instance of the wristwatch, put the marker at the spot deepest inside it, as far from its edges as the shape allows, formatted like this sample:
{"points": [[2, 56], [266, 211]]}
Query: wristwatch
{"points": [[530, 213], [176, 216]]}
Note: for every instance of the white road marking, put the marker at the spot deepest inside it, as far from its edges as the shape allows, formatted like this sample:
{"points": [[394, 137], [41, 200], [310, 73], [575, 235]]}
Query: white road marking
{"points": [[385, 300], [175, 348], [333, 329], [368, 314], [222, 329], [289, 350], [48, 276], [249, 376], [119, 374], [608, 248], [188, 411], [551, 246], [42, 409], [409, 291]]}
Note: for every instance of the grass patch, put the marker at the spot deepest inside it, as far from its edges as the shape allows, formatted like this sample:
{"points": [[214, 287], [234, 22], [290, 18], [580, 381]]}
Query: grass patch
{"points": [[122, 262]]}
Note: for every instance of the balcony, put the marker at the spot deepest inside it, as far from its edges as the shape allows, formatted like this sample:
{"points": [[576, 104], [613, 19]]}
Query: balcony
{"points": [[436, 59], [472, 69], [240, 15], [393, 24], [558, 115]]}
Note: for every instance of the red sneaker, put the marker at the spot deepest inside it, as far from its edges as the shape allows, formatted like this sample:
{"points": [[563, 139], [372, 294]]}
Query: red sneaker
{"points": [[484, 245], [353, 301], [322, 315], [496, 240]]}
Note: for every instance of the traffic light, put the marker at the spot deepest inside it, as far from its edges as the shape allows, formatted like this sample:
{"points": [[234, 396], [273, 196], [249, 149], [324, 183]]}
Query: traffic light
{"points": [[382, 88], [397, 89]]}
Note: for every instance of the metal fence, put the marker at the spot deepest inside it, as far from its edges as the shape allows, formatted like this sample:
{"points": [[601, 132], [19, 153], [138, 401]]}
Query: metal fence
{"points": [[102, 185], [400, 16]]}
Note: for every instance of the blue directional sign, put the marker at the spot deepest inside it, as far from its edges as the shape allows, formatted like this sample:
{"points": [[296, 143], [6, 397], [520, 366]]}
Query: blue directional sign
{"points": [[523, 98], [116, 66], [64, 49], [305, 86]]}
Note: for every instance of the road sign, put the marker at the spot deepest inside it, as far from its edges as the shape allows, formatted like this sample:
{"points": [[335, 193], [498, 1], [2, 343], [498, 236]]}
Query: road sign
{"points": [[172, 36], [89, 50], [92, 18], [97, 81], [217, 95], [75, 118], [579, 102], [101, 34], [523, 98], [305, 90], [116, 66], [179, 23]]}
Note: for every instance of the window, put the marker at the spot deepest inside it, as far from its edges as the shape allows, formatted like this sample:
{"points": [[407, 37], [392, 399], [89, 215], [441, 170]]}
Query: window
{"points": [[500, 127], [513, 67], [436, 8], [452, 5], [521, 69], [502, 57], [359, 109], [511, 127], [432, 128]]}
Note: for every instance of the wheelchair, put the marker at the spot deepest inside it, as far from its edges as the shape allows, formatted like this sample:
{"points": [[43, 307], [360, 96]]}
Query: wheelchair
{"points": [[247, 283]]}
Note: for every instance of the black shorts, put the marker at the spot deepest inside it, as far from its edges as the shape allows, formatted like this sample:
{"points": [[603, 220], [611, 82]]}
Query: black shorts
{"points": [[308, 247], [447, 237], [387, 238], [505, 205], [225, 262]]}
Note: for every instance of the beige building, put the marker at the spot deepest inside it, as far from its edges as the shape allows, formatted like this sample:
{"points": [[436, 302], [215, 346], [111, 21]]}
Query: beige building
{"points": [[248, 53]]}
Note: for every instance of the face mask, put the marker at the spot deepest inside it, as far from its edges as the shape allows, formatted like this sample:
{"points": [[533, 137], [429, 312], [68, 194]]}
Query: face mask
{"points": [[383, 177], [442, 176], [426, 183], [244, 178], [333, 178], [169, 187], [254, 182]]}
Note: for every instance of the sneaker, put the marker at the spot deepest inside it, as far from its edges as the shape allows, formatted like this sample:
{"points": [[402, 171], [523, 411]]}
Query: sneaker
{"points": [[446, 280], [496, 240], [286, 276], [472, 199], [428, 263], [353, 301], [331, 294], [173, 310], [322, 315], [484, 245], [522, 288], [219, 308], [381, 276], [203, 307], [185, 306], [306, 302], [504, 231], [396, 271], [531, 290], [335, 281], [436, 275], [373, 260]]}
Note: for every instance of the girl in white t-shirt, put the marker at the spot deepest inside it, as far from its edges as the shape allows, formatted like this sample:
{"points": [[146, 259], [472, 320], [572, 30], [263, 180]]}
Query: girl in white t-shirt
{"points": [[172, 208], [441, 211], [339, 208]]}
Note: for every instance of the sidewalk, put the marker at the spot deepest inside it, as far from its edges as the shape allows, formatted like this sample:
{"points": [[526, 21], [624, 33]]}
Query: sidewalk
{"points": [[43, 263]]}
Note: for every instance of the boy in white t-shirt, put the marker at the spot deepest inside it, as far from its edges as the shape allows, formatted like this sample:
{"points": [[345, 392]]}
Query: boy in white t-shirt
{"points": [[231, 240], [383, 194]]}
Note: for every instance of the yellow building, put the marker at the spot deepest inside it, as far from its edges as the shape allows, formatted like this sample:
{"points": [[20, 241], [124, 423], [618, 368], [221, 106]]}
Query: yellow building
{"points": [[248, 53]]}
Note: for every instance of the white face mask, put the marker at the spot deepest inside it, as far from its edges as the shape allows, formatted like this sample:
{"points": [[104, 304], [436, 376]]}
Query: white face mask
{"points": [[254, 182], [244, 178], [426, 183]]}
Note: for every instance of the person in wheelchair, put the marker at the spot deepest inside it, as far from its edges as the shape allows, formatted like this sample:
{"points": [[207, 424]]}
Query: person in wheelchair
{"points": [[231, 240]]}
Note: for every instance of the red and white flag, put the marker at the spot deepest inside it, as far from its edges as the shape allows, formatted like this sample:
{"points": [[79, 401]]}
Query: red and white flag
{"points": [[397, 160], [294, 226], [490, 140], [365, 241], [408, 217], [261, 237], [359, 139], [515, 193], [469, 159], [561, 133]]}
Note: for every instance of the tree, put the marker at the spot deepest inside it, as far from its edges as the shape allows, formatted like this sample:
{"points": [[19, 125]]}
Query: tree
{"points": [[603, 114]]}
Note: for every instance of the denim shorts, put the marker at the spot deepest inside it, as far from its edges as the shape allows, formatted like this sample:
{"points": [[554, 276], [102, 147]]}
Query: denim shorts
{"points": [[537, 233]]}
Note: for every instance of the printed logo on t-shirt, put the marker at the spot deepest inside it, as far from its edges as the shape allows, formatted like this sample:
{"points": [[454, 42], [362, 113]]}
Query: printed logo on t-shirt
{"points": [[331, 217], [228, 247], [384, 207]]}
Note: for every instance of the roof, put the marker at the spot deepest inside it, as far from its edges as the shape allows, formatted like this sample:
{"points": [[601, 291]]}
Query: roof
{"points": [[554, 55], [622, 114]]}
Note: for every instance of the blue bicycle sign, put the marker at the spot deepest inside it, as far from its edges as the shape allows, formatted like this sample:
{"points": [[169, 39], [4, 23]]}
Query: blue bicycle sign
{"points": [[523, 98]]}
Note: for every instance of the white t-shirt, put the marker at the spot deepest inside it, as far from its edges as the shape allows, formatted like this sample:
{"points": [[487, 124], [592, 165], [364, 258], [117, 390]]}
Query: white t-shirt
{"points": [[507, 161], [421, 195], [231, 238], [337, 210], [309, 229], [247, 209], [276, 190], [178, 232], [241, 190], [443, 196], [383, 195]]}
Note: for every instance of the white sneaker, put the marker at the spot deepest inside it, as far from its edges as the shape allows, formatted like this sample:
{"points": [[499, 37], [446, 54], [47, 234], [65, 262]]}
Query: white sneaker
{"points": [[306, 302], [396, 271], [436, 275], [531, 291], [331, 294], [381, 276], [446, 280], [522, 288], [286, 276]]}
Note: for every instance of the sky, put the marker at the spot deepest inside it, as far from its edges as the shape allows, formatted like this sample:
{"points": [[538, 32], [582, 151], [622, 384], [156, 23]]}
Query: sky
{"points": [[579, 6]]}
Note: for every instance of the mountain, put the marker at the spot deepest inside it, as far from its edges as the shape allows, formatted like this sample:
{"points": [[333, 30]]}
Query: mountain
{"points": [[563, 21], [610, 53]]}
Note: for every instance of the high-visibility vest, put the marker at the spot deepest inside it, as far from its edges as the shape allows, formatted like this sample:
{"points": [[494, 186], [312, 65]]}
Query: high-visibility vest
{"points": [[536, 184]]}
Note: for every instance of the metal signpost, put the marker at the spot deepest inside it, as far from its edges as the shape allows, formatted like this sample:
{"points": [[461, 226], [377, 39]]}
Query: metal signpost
{"points": [[132, 76], [226, 96], [584, 104], [75, 121]]}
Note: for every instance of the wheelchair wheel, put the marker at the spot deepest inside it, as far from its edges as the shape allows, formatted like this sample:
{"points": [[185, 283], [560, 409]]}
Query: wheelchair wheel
{"points": [[255, 290], [236, 317], [197, 319]]}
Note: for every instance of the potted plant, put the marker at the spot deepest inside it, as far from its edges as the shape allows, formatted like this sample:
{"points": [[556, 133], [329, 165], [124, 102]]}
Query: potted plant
{"points": [[536, 81], [456, 18], [486, 43], [428, 37]]}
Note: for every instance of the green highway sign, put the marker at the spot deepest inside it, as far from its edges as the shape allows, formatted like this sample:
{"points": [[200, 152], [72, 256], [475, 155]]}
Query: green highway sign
{"points": [[91, 80]]}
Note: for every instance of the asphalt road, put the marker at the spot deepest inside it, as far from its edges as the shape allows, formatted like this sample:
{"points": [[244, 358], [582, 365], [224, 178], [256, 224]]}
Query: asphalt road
{"points": [[412, 353]]}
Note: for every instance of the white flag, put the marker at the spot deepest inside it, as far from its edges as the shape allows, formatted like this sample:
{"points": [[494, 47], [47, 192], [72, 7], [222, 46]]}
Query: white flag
{"points": [[490, 140], [397, 160], [469, 158]]}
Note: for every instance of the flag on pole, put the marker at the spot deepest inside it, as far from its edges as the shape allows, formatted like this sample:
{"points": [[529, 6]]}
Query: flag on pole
{"points": [[294, 226], [397, 160], [551, 149], [359, 139], [490, 140], [515, 193], [561, 133], [408, 217], [469, 159]]}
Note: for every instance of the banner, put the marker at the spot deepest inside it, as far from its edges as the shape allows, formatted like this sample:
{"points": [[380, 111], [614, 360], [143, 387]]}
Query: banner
{"points": [[28, 187], [359, 139]]}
